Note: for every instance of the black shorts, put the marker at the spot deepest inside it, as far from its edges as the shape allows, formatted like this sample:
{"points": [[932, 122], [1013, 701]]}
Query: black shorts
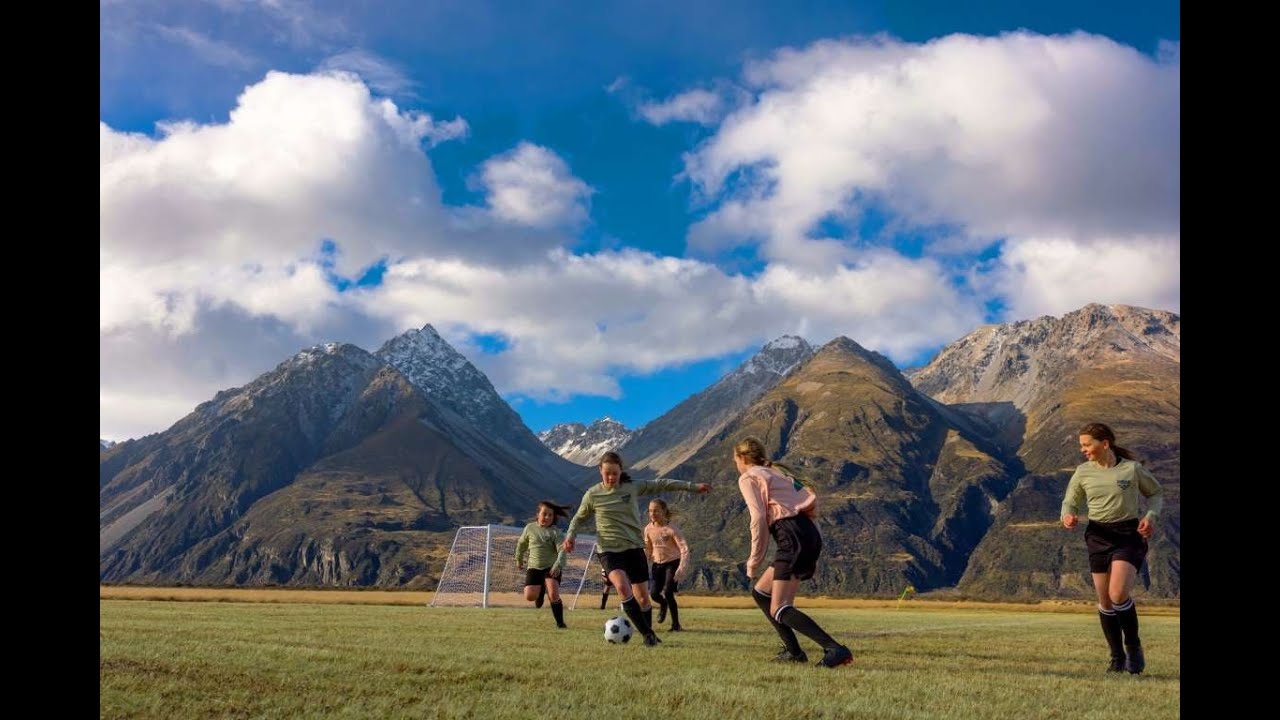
{"points": [[1114, 541], [632, 562], [664, 577], [799, 545], [536, 576]]}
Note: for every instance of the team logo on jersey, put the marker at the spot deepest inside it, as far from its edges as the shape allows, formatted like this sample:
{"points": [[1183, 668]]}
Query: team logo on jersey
{"points": [[1124, 483], [626, 497]]}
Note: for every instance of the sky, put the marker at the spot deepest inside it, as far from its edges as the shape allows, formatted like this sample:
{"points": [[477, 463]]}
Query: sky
{"points": [[606, 206]]}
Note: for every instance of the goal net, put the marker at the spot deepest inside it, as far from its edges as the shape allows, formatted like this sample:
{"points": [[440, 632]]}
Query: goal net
{"points": [[481, 570]]}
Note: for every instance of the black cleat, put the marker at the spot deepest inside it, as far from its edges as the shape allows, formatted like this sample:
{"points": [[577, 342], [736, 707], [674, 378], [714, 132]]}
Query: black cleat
{"points": [[1135, 663], [662, 614], [651, 639], [786, 657], [1117, 665], [561, 625], [835, 657], [677, 628]]}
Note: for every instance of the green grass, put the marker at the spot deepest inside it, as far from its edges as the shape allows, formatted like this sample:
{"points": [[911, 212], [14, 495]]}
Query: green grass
{"points": [[206, 659]]}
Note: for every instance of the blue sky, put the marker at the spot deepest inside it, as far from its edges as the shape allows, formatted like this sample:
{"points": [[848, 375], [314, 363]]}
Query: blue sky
{"points": [[608, 205]]}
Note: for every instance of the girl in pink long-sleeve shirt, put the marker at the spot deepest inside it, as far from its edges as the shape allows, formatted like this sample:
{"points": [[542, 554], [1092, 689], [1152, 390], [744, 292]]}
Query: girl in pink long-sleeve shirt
{"points": [[784, 508], [669, 560]]}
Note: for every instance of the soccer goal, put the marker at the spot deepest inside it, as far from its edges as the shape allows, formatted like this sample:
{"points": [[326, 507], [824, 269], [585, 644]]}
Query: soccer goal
{"points": [[481, 570]]}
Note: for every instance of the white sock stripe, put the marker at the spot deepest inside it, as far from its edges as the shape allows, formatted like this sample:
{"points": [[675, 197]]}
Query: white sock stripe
{"points": [[1105, 611], [1125, 605], [778, 615]]}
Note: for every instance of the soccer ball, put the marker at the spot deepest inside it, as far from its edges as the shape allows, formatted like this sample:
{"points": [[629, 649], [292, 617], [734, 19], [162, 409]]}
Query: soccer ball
{"points": [[617, 630]]}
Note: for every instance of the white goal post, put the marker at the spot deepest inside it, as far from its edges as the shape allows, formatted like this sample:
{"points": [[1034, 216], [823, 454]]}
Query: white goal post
{"points": [[481, 570]]}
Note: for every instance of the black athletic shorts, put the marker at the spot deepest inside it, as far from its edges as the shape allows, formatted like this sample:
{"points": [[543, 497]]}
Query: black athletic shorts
{"points": [[632, 562], [1114, 541], [799, 545], [536, 576]]}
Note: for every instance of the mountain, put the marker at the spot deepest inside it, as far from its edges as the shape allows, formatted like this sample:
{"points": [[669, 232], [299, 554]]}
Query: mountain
{"points": [[1037, 382], [450, 380], [104, 445], [584, 444], [332, 469], [670, 439], [907, 488]]}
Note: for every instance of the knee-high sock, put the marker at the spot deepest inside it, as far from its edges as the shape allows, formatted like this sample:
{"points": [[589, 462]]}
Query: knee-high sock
{"points": [[791, 617], [789, 639], [557, 609], [633, 611], [674, 609], [1111, 630], [1127, 614]]}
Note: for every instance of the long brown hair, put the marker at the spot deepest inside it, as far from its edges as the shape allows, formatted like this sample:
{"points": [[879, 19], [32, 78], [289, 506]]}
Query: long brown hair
{"points": [[752, 450], [666, 511], [613, 458], [1098, 431]]}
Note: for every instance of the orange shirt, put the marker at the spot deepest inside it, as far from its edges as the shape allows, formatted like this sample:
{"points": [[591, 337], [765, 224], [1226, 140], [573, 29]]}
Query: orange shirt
{"points": [[665, 543]]}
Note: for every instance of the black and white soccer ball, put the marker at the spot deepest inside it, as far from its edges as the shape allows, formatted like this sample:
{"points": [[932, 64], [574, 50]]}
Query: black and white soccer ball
{"points": [[617, 630]]}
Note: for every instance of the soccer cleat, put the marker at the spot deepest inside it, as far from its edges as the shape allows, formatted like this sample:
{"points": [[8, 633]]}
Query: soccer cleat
{"points": [[786, 657], [651, 639], [662, 614], [835, 657], [1117, 665], [676, 628], [1135, 663], [561, 625]]}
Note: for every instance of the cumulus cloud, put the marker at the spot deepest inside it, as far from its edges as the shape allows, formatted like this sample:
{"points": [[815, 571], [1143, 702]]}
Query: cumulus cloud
{"points": [[310, 182], [1053, 276], [531, 185], [1019, 135], [572, 322]]}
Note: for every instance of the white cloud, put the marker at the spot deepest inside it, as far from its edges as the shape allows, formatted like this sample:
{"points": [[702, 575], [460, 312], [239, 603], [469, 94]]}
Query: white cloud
{"points": [[531, 185], [1019, 135], [211, 51], [699, 106], [377, 72], [1053, 276], [211, 233], [573, 322]]}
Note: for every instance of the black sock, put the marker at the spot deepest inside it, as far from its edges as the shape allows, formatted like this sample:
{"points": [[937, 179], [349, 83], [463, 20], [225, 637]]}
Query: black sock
{"points": [[1127, 614], [648, 616], [798, 621], [789, 639], [633, 611], [1111, 630], [557, 609], [542, 596], [674, 609], [604, 599]]}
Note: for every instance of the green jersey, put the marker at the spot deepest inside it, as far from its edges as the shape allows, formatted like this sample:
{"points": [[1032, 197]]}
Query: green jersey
{"points": [[619, 524], [1110, 494], [541, 546]]}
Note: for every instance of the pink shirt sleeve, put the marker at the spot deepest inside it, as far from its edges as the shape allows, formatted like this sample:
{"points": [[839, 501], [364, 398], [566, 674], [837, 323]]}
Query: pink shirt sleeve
{"points": [[683, 567], [753, 491]]}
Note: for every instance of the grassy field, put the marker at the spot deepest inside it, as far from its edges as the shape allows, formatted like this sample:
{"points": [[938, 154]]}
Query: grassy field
{"points": [[166, 658]]}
